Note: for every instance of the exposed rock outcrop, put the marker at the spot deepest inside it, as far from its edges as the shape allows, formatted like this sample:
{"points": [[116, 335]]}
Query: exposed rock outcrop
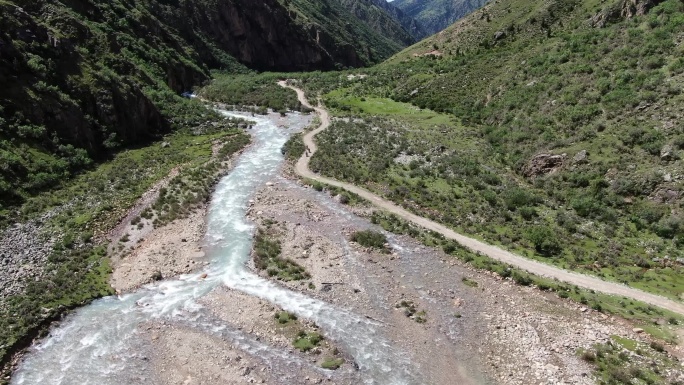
{"points": [[625, 9], [542, 164]]}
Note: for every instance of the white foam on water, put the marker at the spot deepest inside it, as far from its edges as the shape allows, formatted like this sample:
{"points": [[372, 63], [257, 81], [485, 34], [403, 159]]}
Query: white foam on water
{"points": [[93, 345]]}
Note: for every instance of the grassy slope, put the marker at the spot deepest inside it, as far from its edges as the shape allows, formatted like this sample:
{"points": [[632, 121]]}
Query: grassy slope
{"points": [[477, 115]]}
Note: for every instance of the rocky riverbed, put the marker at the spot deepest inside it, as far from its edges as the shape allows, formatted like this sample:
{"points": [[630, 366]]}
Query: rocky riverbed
{"points": [[479, 328], [448, 322]]}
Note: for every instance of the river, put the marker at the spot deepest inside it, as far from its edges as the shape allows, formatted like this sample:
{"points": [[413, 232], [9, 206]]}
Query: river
{"points": [[95, 344]]}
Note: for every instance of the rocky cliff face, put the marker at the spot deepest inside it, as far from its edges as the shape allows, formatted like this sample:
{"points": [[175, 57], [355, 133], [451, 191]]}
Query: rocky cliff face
{"points": [[385, 19], [260, 34], [625, 9], [410, 24]]}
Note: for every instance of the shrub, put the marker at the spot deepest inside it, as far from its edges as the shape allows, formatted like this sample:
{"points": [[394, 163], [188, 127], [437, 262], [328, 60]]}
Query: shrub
{"points": [[369, 238], [657, 346], [544, 240], [284, 317], [528, 213], [517, 197], [589, 356], [332, 363], [522, 279]]}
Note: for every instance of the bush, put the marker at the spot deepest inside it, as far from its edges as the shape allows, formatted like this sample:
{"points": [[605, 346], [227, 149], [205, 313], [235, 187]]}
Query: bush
{"points": [[331, 363], [522, 279], [544, 240], [589, 356], [369, 238], [657, 346], [516, 197], [284, 317], [294, 148]]}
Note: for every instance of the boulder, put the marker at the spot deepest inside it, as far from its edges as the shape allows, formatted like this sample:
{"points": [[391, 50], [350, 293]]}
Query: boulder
{"points": [[667, 152], [581, 157], [542, 164]]}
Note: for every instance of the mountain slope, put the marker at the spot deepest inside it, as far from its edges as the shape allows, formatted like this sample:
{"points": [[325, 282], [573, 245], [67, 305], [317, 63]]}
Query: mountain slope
{"points": [[386, 19], [83, 79], [551, 127], [370, 38], [435, 15]]}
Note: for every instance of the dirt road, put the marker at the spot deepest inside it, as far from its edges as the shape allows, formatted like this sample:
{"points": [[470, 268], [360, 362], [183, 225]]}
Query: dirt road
{"points": [[534, 267]]}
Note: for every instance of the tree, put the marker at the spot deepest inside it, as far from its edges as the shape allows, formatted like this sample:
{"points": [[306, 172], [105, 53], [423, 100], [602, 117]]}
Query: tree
{"points": [[544, 240]]}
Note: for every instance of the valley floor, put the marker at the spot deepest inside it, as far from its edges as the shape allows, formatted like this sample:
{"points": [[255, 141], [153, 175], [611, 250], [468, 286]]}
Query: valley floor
{"points": [[479, 328]]}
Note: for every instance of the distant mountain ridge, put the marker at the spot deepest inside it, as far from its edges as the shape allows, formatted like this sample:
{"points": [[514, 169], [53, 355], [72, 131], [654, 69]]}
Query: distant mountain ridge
{"points": [[436, 15], [374, 11]]}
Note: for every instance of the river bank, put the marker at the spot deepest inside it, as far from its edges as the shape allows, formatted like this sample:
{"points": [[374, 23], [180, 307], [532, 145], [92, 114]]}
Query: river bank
{"points": [[223, 324], [486, 329], [479, 327]]}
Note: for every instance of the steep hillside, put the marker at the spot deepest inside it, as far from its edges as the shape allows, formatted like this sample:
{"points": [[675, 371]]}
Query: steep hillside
{"points": [[83, 79], [553, 128], [435, 15], [386, 19], [371, 37]]}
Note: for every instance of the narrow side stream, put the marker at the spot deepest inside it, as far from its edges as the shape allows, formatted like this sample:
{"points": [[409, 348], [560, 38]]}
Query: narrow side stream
{"points": [[93, 345]]}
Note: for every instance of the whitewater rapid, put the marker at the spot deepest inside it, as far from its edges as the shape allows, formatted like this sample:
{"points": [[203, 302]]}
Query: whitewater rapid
{"points": [[95, 344]]}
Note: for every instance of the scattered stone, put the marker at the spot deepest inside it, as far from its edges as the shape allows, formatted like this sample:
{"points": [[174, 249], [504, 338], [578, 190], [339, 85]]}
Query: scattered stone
{"points": [[580, 157], [667, 152]]}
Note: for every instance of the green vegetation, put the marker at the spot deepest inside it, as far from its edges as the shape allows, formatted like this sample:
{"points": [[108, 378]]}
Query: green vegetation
{"points": [[191, 188], [345, 197], [412, 312], [625, 362], [93, 79], [294, 148], [332, 363], [92, 203], [335, 23], [267, 256], [284, 317], [258, 92], [456, 139], [305, 341], [369, 238], [435, 15], [116, 86], [383, 18]]}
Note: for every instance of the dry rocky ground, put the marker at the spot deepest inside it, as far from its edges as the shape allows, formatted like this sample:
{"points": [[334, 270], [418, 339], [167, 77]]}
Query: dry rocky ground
{"points": [[518, 334], [487, 330]]}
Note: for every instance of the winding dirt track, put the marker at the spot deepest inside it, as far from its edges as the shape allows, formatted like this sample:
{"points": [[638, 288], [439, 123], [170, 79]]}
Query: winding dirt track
{"points": [[534, 267]]}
